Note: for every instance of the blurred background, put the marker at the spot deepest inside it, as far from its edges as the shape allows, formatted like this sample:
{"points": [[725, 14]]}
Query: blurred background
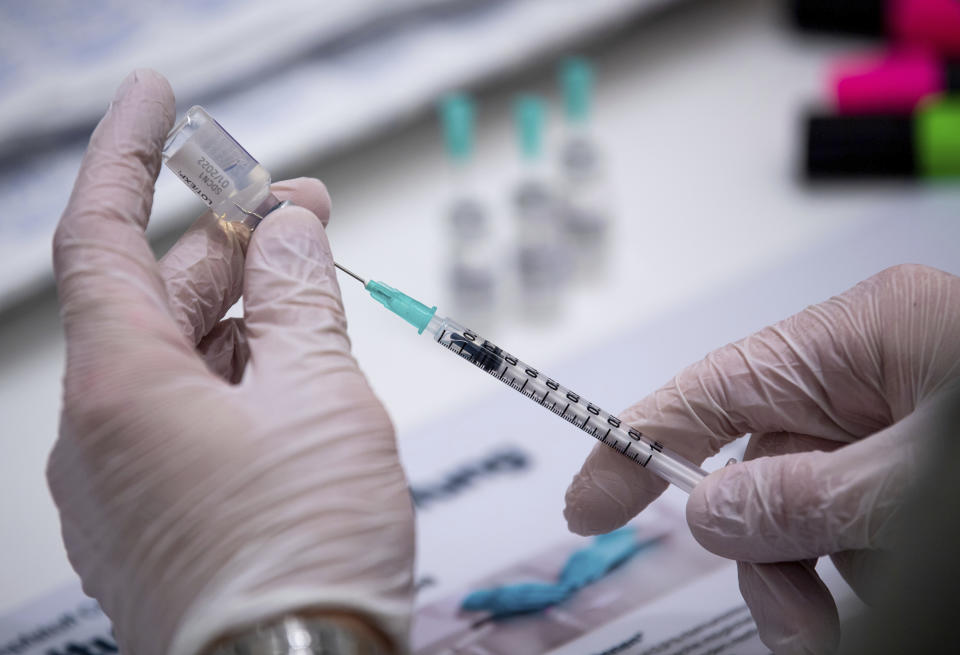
{"points": [[551, 172]]}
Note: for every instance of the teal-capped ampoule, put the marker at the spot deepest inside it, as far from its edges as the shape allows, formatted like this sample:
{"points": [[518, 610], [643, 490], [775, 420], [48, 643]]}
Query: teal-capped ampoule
{"points": [[541, 257], [471, 255], [585, 199]]}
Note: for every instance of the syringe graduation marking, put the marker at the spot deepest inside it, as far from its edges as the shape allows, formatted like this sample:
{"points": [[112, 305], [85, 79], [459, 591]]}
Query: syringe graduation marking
{"points": [[489, 357]]}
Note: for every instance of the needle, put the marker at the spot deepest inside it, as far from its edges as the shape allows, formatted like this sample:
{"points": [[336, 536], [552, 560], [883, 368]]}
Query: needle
{"points": [[351, 274]]}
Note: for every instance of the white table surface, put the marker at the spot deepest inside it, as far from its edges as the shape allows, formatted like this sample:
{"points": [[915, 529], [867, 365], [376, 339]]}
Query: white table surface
{"points": [[699, 110]]}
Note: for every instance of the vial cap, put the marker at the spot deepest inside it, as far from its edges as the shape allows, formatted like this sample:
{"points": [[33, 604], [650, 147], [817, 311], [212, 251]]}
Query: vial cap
{"points": [[576, 80], [529, 113], [457, 112]]}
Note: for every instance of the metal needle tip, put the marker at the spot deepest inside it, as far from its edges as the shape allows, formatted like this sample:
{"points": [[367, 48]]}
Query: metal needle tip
{"points": [[351, 274]]}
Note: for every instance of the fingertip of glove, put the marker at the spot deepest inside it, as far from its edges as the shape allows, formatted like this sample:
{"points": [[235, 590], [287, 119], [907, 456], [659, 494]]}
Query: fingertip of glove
{"points": [[725, 512], [708, 507], [572, 511], [596, 503], [146, 84], [308, 192], [794, 610]]}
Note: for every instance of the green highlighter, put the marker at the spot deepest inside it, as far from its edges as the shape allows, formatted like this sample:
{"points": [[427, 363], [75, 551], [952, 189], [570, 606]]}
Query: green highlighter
{"points": [[925, 144]]}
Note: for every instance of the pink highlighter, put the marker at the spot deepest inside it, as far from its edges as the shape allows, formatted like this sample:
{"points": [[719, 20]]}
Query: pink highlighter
{"points": [[933, 24], [894, 82]]}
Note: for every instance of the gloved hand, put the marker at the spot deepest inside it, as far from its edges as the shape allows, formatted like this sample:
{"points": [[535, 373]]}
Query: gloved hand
{"points": [[210, 474], [838, 399]]}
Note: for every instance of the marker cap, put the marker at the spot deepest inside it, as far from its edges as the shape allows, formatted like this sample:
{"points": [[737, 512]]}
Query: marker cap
{"points": [[894, 82], [932, 23], [937, 130]]}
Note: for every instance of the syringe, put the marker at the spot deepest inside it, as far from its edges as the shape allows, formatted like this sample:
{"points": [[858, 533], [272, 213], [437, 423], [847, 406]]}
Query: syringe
{"points": [[237, 189], [533, 384]]}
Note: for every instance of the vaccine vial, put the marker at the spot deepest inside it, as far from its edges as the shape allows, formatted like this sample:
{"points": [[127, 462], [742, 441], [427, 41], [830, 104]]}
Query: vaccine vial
{"points": [[471, 267], [472, 259], [541, 256], [585, 199], [585, 205], [542, 259], [218, 170]]}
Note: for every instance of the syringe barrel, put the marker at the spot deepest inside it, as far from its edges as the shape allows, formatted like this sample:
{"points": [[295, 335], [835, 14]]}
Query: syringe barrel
{"points": [[568, 405], [676, 470], [217, 169]]}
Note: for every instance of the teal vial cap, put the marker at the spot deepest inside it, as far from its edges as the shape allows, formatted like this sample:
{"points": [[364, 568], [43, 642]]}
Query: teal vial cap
{"points": [[412, 311], [529, 113], [457, 112], [576, 80]]}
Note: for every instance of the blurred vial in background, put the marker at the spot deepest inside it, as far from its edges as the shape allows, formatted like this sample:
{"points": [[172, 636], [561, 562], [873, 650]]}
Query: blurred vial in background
{"points": [[542, 262], [584, 188], [471, 253]]}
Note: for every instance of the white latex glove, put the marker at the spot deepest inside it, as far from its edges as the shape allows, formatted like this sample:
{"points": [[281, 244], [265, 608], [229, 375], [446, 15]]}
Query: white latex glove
{"points": [[209, 474], [839, 398]]}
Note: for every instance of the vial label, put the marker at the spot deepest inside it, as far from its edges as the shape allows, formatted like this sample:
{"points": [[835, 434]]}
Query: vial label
{"points": [[200, 174]]}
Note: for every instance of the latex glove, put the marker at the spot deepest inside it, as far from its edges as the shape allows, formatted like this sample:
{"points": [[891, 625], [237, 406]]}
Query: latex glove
{"points": [[191, 505], [839, 398]]}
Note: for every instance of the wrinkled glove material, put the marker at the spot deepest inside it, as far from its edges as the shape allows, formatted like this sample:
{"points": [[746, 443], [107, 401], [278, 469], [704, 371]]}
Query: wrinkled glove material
{"points": [[839, 400], [214, 472]]}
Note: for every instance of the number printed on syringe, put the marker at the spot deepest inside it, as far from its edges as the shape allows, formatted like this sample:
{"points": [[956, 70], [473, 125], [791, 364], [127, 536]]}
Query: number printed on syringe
{"points": [[548, 393]]}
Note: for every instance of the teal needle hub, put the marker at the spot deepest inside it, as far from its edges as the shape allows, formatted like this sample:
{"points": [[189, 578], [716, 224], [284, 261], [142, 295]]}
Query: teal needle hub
{"points": [[412, 311]]}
